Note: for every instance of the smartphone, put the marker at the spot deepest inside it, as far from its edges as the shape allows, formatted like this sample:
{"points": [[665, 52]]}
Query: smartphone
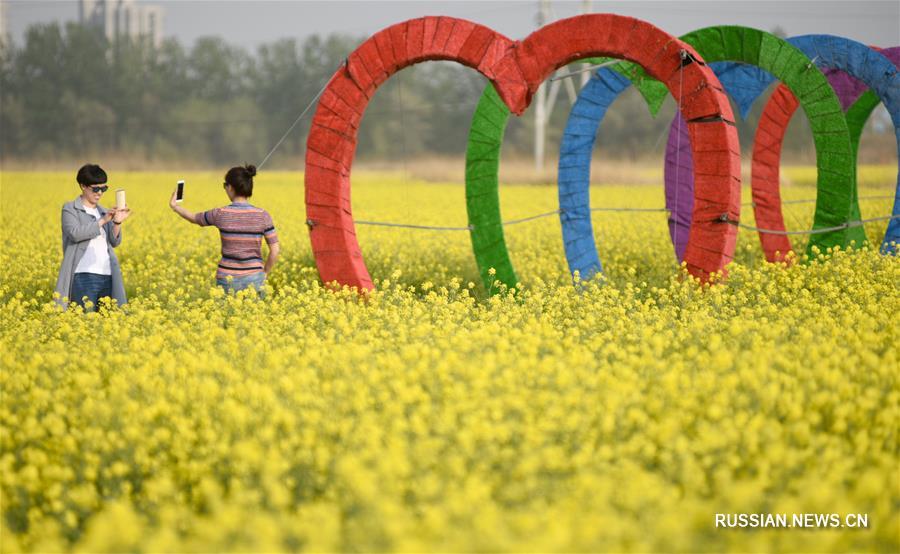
{"points": [[179, 194]]}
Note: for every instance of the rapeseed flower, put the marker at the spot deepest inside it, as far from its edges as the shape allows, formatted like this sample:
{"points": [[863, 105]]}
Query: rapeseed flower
{"points": [[621, 414]]}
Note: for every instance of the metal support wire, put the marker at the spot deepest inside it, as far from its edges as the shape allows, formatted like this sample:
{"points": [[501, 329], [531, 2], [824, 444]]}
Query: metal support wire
{"points": [[294, 124], [840, 227], [811, 200], [724, 219], [630, 210], [531, 218], [584, 70], [412, 226], [504, 223]]}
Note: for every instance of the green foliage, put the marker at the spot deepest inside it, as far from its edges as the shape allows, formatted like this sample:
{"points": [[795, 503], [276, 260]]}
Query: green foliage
{"points": [[67, 93]]}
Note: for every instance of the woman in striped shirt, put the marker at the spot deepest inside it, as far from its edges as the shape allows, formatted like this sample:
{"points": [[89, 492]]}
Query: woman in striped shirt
{"points": [[241, 228]]}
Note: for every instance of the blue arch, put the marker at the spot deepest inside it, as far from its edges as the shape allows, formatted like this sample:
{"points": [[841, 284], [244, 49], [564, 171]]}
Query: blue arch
{"points": [[575, 169]]}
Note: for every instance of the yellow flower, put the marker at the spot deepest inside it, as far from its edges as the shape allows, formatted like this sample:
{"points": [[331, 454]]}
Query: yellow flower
{"points": [[425, 416]]}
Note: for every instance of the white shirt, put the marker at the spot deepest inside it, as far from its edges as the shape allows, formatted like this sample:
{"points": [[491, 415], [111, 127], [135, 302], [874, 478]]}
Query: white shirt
{"points": [[96, 257]]}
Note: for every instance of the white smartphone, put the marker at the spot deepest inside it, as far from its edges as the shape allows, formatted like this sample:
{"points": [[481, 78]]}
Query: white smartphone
{"points": [[179, 194]]}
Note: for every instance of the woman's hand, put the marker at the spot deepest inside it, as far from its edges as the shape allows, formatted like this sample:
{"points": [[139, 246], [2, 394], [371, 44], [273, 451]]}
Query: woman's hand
{"points": [[186, 214], [120, 215]]}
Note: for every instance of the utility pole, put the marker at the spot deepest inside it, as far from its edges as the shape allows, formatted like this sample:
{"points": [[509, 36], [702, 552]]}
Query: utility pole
{"points": [[544, 100], [540, 99], [586, 76]]}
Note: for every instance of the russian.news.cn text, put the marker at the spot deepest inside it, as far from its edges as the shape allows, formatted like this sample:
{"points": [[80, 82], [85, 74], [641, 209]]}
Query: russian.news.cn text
{"points": [[797, 521]]}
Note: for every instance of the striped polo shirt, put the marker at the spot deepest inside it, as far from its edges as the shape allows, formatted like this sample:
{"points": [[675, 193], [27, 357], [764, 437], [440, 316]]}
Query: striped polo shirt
{"points": [[241, 228]]}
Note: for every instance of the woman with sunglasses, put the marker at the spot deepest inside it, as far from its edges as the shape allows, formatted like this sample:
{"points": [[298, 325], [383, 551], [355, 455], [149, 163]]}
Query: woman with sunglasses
{"points": [[89, 268], [241, 229]]}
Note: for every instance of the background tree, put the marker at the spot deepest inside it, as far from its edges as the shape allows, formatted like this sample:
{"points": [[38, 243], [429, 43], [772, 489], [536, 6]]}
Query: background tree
{"points": [[68, 94]]}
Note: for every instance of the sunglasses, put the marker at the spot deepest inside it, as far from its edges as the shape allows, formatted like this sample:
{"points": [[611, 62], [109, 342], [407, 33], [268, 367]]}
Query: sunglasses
{"points": [[103, 188]]}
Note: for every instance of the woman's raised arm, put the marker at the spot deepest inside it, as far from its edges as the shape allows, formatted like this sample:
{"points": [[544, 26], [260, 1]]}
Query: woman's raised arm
{"points": [[185, 213]]}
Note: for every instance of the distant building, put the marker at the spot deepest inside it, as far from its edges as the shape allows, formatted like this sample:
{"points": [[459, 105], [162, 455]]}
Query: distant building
{"points": [[123, 18]]}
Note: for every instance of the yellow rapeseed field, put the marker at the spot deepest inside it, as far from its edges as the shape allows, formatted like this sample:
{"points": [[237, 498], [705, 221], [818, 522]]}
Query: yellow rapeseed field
{"points": [[621, 416]]}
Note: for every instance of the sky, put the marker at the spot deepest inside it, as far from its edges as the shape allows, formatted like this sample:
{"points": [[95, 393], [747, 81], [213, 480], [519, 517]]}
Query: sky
{"points": [[251, 23]]}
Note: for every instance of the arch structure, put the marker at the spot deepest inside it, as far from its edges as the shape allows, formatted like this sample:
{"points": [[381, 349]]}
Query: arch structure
{"points": [[713, 137], [333, 133], [763, 50], [516, 70], [876, 71], [850, 67]]}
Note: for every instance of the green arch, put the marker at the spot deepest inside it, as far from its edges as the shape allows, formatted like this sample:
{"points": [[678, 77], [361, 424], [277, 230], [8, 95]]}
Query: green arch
{"points": [[835, 160], [483, 189]]}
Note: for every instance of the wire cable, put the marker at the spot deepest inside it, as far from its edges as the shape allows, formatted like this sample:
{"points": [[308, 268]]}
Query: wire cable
{"points": [[413, 226], [294, 124], [842, 227], [723, 219]]}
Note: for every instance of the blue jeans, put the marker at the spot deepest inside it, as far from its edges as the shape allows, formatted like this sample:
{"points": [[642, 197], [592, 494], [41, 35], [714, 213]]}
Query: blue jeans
{"points": [[255, 280], [92, 285]]}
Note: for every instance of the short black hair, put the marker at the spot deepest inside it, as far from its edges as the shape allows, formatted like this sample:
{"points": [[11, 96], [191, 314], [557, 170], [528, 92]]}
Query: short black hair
{"points": [[91, 174], [241, 179]]}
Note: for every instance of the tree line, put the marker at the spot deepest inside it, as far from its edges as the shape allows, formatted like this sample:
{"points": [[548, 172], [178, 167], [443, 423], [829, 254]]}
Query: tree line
{"points": [[68, 93]]}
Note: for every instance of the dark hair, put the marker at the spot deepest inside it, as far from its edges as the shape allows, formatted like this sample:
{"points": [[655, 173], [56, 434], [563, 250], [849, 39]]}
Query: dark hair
{"points": [[241, 179], [91, 174]]}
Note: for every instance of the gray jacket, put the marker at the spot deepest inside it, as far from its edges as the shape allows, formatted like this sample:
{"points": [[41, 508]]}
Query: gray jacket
{"points": [[78, 228]]}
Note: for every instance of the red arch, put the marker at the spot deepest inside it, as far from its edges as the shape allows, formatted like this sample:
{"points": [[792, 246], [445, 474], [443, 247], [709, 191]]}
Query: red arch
{"points": [[765, 172], [517, 70], [332, 137], [714, 139]]}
